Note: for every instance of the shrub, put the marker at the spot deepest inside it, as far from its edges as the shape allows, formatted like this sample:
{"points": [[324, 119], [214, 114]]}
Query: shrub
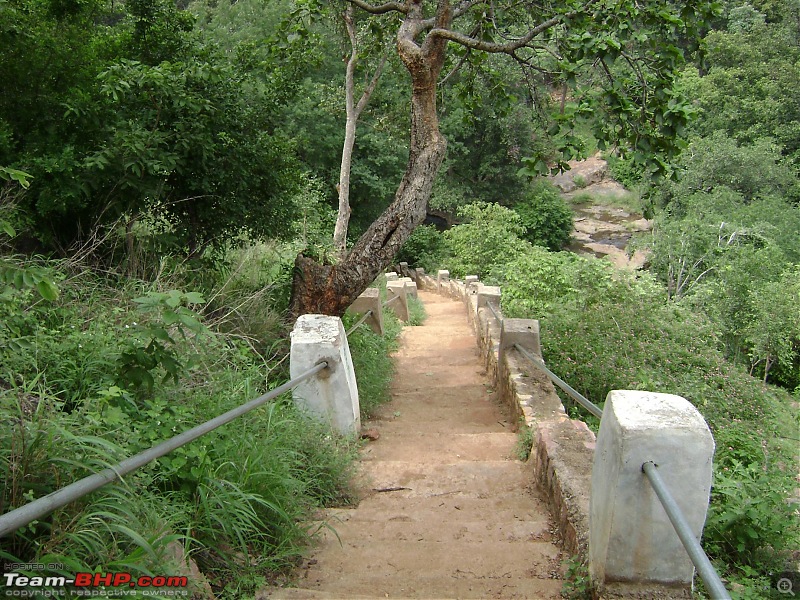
{"points": [[425, 248], [489, 239], [546, 217]]}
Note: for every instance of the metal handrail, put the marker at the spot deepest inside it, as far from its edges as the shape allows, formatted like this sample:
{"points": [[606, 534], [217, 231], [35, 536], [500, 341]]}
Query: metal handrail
{"points": [[704, 567], [390, 300], [693, 548], [19, 517], [358, 323], [584, 402], [494, 312]]}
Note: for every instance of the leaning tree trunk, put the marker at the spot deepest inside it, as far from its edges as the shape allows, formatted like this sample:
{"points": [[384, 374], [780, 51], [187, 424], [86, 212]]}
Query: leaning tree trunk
{"points": [[330, 289]]}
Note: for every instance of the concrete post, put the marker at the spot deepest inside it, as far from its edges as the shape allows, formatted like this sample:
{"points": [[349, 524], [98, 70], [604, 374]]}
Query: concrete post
{"points": [[403, 268], [369, 300], [411, 289], [524, 332], [489, 294], [418, 274], [443, 281], [397, 289], [631, 537], [332, 396], [392, 276]]}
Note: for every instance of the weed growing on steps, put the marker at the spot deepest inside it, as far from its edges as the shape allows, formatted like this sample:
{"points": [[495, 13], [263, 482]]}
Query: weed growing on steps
{"points": [[416, 311], [577, 583], [525, 440]]}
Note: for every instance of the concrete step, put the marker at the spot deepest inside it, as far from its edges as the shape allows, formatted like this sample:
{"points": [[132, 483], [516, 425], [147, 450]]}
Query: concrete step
{"points": [[439, 447], [436, 570], [386, 507], [462, 586], [430, 376], [470, 479], [461, 526]]}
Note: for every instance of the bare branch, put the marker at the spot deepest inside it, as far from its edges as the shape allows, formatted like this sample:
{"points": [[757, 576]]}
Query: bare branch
{"points": [[508, 48], [381, 9]]}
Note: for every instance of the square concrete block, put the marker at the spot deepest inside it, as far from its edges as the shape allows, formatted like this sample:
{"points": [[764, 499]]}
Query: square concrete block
{"points": [[631, 537], [331, 396], [369, 300]]}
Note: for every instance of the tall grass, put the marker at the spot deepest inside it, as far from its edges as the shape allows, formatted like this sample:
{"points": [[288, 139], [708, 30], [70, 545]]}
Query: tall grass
{"points": [[235, 499]]}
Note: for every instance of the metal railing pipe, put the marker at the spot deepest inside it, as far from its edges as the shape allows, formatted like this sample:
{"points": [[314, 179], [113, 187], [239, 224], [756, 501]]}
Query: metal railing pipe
{"points": [[584, 402], [19, 517], [358, 323], [494, 312], [390, 300], [704, 567]]}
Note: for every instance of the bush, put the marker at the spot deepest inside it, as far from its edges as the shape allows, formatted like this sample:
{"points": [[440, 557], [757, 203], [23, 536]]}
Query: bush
{"points": [[546, 217], [425, 248], [71, 411], [489, 239]]}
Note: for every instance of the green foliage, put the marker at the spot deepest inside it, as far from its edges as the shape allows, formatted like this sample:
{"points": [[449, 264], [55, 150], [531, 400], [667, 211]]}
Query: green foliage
{"points": [[546, 217], [773, 334], [490, 238], [577, 582], [423, 249], [749, 517], [371, 361], [750, 70], [69, 417], [416, 312], [152, 343], [718, 162], [525, 441]]}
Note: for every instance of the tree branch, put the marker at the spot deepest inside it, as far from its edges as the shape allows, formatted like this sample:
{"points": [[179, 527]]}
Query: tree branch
{"points": [[381, 9]]}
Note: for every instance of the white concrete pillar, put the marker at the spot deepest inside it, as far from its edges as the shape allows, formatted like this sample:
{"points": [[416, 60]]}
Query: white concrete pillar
{"points": [[631, 537], [392, 276], [411, 288], [443, 280], [524, 332], [403, 268], [369, 300], [332, 395], [396, 292], [489, 294]]}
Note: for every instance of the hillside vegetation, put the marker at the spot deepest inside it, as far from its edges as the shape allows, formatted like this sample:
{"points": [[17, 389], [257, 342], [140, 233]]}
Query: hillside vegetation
{"points": [[163, 164]]}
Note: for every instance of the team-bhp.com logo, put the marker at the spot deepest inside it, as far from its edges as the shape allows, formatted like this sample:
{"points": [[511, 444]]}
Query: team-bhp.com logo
{"points": [[94, 584]]}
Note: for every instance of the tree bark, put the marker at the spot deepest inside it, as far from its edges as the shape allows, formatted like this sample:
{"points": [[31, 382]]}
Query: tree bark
{"points": [[330, 289], [353, 112]]}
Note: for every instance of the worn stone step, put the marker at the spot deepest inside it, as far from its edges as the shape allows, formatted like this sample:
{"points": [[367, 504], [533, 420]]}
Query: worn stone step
{"points": [[475, 479], [523, 506], [459, 527], [430, 376], [461, 586], [441, 447], [434, 570]]}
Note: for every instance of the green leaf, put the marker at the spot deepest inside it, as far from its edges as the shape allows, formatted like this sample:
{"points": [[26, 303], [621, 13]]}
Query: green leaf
{"points": [[47, 290]]}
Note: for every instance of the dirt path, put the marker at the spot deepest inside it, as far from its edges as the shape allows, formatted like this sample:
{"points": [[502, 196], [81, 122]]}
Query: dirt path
{"points": [[448, 512]]}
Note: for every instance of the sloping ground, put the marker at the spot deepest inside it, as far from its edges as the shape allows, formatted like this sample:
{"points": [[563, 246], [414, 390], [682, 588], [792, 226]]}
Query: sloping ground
{"points": [[448, 512], [601, 229]]}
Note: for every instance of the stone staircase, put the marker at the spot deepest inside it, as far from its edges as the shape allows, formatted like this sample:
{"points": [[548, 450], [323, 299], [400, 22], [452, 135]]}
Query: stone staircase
{"points": [[447, 509]]}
